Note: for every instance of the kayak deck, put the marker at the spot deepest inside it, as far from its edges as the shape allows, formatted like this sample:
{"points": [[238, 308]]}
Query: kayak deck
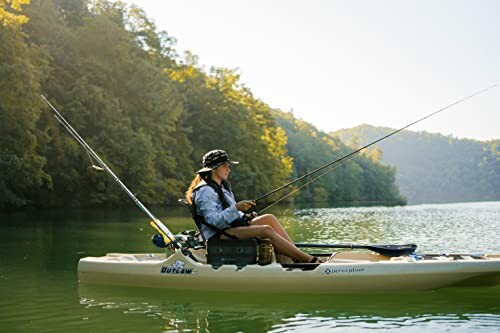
{"points": [[342, 272]]}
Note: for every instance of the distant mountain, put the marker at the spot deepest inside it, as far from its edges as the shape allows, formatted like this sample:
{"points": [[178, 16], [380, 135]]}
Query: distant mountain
{"points": [[433, 168]]}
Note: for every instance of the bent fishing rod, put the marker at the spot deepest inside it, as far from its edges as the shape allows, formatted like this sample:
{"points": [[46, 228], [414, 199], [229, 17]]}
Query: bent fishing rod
{"points": [[351, 154], [167, 235]]}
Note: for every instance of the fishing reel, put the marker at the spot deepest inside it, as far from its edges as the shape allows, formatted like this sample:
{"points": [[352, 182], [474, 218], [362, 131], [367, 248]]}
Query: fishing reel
{"points": [[188, 239], [250, 216]]}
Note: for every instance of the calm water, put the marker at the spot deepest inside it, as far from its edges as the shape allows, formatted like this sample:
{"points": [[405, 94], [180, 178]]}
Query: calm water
{"points": [[39, 291]]}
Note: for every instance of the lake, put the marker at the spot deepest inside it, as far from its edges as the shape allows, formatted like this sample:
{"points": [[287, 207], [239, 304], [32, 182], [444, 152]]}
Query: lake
{"points": [[39, 289]]}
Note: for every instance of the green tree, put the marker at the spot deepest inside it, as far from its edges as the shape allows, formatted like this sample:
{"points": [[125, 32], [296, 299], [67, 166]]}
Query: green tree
{"points": [[106, 83], [22, 68]]}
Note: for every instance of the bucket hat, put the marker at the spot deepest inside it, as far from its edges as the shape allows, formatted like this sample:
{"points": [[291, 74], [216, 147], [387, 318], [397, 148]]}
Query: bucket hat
{"points": [[215, 158]]}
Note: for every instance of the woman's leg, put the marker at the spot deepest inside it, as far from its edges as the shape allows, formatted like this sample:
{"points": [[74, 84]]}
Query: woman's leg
{"points": [[272, 221], [281, 244]]}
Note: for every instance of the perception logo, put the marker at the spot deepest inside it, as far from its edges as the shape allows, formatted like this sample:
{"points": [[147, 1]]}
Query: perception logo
{"points": [[329, 271]]}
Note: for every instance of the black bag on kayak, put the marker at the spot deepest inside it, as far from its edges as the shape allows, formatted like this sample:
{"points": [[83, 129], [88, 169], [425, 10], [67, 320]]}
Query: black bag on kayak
{"points": [[239, 252]]}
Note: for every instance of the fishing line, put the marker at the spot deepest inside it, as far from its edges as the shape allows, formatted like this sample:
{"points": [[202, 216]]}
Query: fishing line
{"points": [[78, 139], [374, 142], [306, 184]]}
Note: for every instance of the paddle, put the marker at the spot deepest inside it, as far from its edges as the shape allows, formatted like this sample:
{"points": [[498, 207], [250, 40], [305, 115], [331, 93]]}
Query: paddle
{"points": [[386, 250]]}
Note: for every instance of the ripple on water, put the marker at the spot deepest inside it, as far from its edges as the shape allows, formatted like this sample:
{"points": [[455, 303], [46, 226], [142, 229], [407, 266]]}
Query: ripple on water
{"points": [[424, 323], [435, 228]]}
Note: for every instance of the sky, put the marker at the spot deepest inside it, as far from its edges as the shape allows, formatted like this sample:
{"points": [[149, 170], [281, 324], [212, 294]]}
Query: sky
{"points": [[339, 64]]}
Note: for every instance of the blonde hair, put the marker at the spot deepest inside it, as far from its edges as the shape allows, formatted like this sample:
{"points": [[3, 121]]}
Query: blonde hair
{"points": [[196, 180]]}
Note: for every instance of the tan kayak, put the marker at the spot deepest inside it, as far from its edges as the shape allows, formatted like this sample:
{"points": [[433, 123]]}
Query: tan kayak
{"points": [[342, 272]]}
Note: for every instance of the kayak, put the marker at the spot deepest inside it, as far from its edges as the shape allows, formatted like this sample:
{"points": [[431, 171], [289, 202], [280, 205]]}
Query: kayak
{"points": [[388, 268], [341, 272]]}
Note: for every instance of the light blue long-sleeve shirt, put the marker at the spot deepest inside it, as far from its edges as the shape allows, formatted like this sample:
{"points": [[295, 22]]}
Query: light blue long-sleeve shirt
{"points": [[209, 205]]}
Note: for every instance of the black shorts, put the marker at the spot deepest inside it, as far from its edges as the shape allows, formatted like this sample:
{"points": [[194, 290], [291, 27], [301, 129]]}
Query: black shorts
{"points": [[240, 222]]}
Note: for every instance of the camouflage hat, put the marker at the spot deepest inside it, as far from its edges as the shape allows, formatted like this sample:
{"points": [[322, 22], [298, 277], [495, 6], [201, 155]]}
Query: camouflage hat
{"points": [[215, 158]]}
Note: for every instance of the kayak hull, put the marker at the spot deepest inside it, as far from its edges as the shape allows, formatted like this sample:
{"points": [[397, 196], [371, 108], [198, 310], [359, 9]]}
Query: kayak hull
{"points": [[344, 272]]}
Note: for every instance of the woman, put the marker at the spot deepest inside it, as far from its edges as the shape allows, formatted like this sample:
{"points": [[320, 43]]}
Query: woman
{"points": [[223, 217]]}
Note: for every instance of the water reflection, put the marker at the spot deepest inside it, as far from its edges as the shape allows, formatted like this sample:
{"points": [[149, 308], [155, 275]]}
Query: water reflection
{"points": [[463, 309]]}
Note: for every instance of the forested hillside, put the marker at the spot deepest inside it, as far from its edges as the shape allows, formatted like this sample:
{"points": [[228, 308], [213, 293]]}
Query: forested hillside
{"points": [[148, 111], [362, 178], [433, 167]]}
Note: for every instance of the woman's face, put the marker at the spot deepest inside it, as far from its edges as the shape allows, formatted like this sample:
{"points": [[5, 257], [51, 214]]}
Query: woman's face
{"points": [[222, 171]]}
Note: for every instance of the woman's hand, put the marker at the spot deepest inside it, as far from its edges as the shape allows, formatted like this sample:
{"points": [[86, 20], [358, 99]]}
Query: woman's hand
{"points": [[245, 205]]}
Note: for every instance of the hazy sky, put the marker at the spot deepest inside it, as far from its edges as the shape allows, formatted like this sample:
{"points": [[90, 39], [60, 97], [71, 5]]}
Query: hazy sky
{"points": [[339, 64]]}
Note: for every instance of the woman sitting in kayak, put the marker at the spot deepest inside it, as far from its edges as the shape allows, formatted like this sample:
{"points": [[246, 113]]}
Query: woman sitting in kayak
{"points": [[222, 217]]}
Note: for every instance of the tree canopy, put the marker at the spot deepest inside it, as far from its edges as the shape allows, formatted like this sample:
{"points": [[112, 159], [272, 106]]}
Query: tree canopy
{"points": [[149, 112], [10, 13]]}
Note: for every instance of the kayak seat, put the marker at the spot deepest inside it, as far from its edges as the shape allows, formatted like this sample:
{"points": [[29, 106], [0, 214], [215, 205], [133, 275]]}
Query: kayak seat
{"points": [[198, 223], [192, 211], [190, 207]]}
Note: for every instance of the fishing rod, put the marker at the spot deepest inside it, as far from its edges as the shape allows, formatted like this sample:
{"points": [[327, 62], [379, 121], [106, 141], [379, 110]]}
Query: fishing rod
{"points": [[167, 235], [370, 144]]}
